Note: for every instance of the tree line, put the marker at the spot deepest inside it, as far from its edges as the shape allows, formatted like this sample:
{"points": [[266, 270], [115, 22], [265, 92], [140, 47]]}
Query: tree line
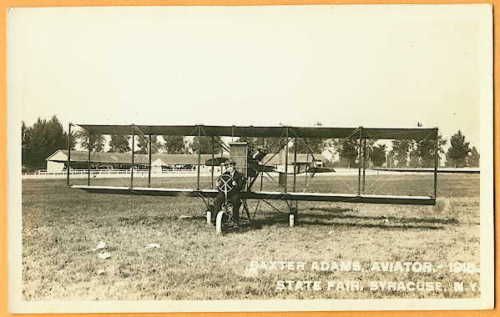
{"points": [[400, 153], [45, 137]]}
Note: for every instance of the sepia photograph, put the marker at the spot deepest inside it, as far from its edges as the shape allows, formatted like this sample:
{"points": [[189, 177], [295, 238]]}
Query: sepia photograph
{"points": [[250, 158]]}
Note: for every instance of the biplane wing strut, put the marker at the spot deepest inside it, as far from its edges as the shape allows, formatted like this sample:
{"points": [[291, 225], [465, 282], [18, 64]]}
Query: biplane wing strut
{"points": [[285, 132]]}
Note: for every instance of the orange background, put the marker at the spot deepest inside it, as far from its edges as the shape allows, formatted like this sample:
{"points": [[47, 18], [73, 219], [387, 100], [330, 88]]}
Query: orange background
{"points": [[5, 4]]}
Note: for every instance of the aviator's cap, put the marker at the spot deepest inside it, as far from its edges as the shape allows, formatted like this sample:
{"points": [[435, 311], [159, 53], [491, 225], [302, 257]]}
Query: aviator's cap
{"points": [[230, 162]]}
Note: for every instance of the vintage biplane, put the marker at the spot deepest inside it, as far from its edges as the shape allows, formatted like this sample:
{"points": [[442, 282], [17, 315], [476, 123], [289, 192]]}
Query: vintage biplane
{"points": [[253, 165]]}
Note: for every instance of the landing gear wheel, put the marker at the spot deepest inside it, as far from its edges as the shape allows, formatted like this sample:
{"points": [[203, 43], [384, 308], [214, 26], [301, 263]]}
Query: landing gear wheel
{"points": [[291, 220], [218, 222], [209, 217]]}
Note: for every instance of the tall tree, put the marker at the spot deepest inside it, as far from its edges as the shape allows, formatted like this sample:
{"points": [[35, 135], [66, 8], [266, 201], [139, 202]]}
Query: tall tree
{"points": [[307, 145], [390, 159], [143, 143], [174, 144], [204, 144], [41, 140], [96, 142], [458, 151], [252, 142], [414, 155], [349, 151], [273, 145], [473, 158], [422, 153], [378, 157], [119, 143], [400, 151], [370, 144], [25, 143]]}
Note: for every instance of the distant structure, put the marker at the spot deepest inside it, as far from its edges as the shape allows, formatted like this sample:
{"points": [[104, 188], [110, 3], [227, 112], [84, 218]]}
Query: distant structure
{"points": [[112, 160], [159, 162]]}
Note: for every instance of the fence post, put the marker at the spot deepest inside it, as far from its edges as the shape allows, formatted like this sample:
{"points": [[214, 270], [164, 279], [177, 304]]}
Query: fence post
{"points": [[132, 160], [436, 160], [199, 160], [89, 145], [360, 150], [286, 160], [149, 159], [68, 164]]}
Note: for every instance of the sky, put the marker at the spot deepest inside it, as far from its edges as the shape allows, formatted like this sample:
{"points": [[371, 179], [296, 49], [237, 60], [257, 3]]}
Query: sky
{"points": [[372, 66]]}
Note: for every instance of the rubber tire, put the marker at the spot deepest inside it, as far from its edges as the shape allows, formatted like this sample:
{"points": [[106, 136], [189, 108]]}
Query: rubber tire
{"points": [[291, 220], [209, 217], [218, 222]]}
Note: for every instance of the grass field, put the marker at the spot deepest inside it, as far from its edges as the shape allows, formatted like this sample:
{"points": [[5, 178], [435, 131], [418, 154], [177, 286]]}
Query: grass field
{"points": [[62, 226]]}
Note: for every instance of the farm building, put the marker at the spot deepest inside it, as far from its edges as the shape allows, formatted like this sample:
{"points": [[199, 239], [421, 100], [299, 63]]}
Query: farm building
{"points": [[159, 161]]}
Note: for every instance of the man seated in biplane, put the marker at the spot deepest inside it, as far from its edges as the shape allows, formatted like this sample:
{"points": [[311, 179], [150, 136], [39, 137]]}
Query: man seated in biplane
{"points": [[229, 185]]}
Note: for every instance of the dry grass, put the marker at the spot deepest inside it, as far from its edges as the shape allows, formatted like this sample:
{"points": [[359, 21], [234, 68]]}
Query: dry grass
{"points": [[61, 226]]}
